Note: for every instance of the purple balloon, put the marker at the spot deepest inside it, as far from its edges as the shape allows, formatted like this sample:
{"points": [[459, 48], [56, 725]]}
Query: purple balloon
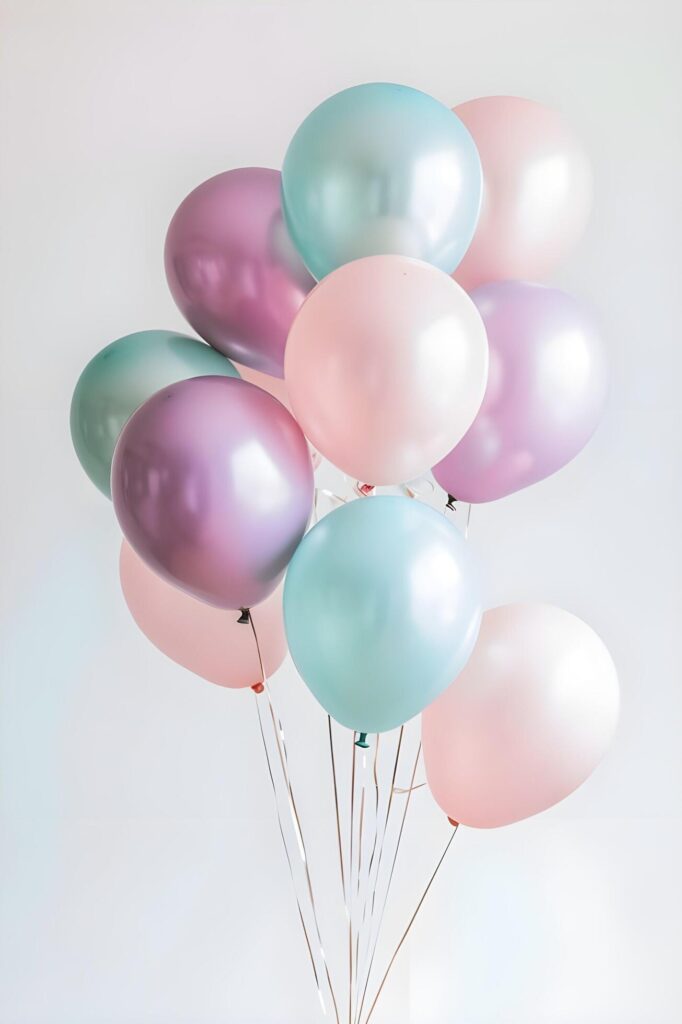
{"points": [[213, 487], [547, 386], [232, 268]]}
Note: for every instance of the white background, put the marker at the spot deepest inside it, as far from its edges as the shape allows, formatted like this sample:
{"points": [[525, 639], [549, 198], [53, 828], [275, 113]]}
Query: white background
{"points": [[141, 875]]}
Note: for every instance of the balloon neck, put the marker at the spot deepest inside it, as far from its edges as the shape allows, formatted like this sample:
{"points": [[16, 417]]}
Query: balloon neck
{"points": [[257, 687], [365, 490], [245, 617], [450, 503], [455, 824], [362, 741]]}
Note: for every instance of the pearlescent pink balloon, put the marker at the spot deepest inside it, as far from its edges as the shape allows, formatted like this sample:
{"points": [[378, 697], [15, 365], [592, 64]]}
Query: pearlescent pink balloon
{"points": [[547, 387], [206, 640], [213, 486], [527, 720], [232, 268], [386, 365], [537, 190]]}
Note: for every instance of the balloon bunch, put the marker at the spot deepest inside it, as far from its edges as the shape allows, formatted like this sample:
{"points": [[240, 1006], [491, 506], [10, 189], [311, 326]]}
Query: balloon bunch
{"points": [[369, 306]]}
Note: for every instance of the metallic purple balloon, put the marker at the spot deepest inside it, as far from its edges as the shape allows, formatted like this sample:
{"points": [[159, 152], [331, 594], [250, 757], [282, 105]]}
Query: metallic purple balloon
{"points": [[547, 386], [232, 268], [213, 486]]}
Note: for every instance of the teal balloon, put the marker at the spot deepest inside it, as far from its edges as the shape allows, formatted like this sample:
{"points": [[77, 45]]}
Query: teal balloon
{"points": [[123, 376], [382, 606], [381, 169]]}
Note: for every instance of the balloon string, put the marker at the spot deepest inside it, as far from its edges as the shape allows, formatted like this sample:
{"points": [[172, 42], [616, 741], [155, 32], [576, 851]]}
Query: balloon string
{"points": [[370, 862], [399, 791], [362, 886], [350, 888], [359, 876], [336, 807], [410, 923], [376, 808], [363, 937], [377, 931], [360, 837], [334, 499], [295, 819], [279, 735], [388, 815], [288, 856], [249, 614], [339, 840], [373, 881], [376, 824], [451, 507]]}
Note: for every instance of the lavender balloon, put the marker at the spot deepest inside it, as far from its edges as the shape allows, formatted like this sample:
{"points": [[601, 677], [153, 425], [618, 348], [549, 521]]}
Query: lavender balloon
{"points": [[232, 268], [213, 486], [547, 386]]}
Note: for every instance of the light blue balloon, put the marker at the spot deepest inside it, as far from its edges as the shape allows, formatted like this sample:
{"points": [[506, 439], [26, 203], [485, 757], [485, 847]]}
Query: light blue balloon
{"points": [[381, 169], [382, 606]]}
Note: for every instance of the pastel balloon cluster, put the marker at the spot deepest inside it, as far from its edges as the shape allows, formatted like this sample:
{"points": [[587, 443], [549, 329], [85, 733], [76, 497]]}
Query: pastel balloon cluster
{"points": [[369, 305]]}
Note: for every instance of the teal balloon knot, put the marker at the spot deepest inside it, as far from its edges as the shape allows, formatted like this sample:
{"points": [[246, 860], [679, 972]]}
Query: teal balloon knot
{"points": [[362, 742]]}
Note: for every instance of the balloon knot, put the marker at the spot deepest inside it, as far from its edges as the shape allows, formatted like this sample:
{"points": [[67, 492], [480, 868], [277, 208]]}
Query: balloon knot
{"points": [[362, 741], [365, 490], [455, 824], [245, 617], [451, 503], [257, 687]]}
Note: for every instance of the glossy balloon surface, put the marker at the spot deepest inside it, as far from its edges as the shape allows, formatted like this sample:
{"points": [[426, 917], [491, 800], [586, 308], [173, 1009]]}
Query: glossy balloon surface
{"points": [[546, 392], [213, 486], [537, 190], [232, 268], [381, 168], [526, 722], [386, 367], [381, 608]]}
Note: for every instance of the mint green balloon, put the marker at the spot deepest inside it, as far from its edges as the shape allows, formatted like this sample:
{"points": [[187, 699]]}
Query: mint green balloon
{"points": [[381, 169], [382, 606], [123, 376]]}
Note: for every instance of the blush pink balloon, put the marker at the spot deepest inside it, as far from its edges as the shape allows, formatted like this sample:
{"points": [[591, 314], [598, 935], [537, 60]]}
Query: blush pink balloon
{"points": [[547, 388], [232, 268], [527, 720], [206, 640], [386, 365], [537, 190]]}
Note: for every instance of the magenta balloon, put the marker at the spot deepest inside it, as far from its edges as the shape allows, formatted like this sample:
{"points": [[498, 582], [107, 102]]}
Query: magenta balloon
{"points": [[547, 386], [232, 268], [213, 488]]}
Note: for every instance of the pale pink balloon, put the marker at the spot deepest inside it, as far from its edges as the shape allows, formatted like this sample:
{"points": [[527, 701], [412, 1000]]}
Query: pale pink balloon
{"points": [[208, 641], [537, 190], [526, 721], [386, 363]]}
